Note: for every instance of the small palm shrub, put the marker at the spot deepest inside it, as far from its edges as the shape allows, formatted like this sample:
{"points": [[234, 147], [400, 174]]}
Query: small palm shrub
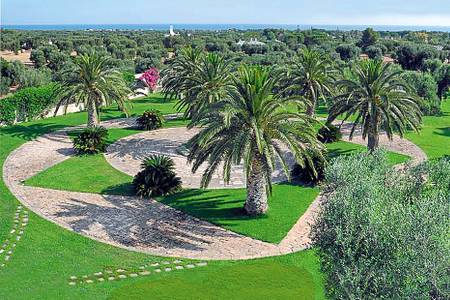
{"points": [[312, 172], [91, 140], [151, 120], [383, 233], [157, 177], [329, 134]]}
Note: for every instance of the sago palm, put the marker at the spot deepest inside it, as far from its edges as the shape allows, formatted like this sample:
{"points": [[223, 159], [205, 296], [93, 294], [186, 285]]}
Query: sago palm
{"points": [[311, 76], [93, 82], [249, 126], [380, 99], [198, 79]]}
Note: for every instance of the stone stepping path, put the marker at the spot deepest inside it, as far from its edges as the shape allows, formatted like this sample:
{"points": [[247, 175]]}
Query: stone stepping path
{"points": [[15, 235], [113, 274], [138, 224]]}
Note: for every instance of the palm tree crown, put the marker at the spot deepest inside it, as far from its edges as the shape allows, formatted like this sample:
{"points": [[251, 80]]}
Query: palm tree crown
{"points": [[248, 126], [311, 76], [380, 99], [197, 78], [93, 82]]}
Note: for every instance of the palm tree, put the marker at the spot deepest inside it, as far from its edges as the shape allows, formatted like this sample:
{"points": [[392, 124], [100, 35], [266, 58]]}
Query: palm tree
{"points": [[93, 82], [198, 79], [248, 126], [311, 76], [380, 99]]}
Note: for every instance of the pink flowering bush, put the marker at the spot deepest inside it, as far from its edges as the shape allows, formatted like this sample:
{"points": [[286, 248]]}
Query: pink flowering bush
{"points": [[150, 78]]}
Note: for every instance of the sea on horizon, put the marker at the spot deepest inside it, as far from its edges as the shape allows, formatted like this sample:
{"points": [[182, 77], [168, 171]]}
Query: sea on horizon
{"points": [[164, 27]]}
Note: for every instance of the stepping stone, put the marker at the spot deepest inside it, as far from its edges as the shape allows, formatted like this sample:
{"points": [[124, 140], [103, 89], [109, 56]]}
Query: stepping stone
{"points": [[89, 281], [120, 270], [21, 232], [85, 276], [73, 277], [13, 245], [166, 263], [111, 278], [144, 273], [10, 252], [177, 261], [1, 251], [98, 274], [12, 231], [2, 265], [190, 266], [142, 268], [122, 276], [7, 257], [157, 270], [72, 283], [101, 279], [168, 269], [18, 238], [179, 267], [109, 271], [155, 265], [133, 275], [201, 264]]}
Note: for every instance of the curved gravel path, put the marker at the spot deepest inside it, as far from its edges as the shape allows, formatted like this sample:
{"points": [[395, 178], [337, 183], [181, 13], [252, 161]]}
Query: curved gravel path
{"points": [[142, 225]]}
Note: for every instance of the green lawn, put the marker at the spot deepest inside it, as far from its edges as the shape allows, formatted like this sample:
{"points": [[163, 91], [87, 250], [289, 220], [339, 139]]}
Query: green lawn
{"points": [[48, 254]]}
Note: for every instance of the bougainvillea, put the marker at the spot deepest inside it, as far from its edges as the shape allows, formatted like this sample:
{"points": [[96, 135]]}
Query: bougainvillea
{"points": [[150, 78]]}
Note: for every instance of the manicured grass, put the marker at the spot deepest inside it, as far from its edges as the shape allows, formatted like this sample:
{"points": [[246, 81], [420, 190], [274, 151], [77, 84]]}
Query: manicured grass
{"points": [[434, 138], [48, 254], [290, 280], [345, 148], [224, 207]]}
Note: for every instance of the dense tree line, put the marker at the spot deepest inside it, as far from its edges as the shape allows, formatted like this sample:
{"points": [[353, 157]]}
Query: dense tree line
{"points": [[53, 52]]}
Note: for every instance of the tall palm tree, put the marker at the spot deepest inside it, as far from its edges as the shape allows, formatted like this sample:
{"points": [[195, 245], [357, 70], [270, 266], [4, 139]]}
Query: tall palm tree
{"points": [[311, 76], [248, 126], [198, 79], [380, 99], [93, 82]]}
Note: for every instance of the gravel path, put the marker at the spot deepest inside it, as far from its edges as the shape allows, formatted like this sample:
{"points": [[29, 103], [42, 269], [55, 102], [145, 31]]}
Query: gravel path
{"points": [[143, 225]]}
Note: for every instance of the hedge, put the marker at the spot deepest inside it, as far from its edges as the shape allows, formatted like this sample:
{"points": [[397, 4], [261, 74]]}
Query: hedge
{"points": [[27, 104]]}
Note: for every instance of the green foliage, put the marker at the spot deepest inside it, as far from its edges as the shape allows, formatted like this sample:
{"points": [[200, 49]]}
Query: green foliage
{"points": [[374, 52], [369, 38], [383, 233], [27, 104], [413, 57], [425, 87], [5, 83], [91, 140], [128, 77], [348, 52], [157, 177], [38, 58], [151, 120], [329, 134], [311, 172]]}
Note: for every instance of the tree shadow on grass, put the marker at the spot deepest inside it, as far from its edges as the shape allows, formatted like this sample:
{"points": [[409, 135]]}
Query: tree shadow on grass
{"points": [[445, 131], [30, 132]]}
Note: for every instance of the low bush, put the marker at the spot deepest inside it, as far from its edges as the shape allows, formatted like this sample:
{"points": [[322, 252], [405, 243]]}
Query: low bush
{"points": [[91, 140], [383, 233], [151, 120], [312, 172], [329, 134], [157, 177]]}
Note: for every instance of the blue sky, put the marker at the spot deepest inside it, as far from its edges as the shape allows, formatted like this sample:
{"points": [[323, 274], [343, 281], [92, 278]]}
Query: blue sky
{"points": [[374, 12]]}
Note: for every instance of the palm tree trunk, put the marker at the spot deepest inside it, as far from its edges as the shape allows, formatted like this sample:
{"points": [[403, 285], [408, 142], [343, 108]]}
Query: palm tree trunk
{"points": [[373, 136], [92, 114], [256, 202]]}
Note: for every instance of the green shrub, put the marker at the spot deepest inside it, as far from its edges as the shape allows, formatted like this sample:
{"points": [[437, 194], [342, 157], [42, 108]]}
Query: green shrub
{"points": [[27, 104], [383, 233], [311, 173], [91, 140], [151, 120], [157, 177], [329, 134]]}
